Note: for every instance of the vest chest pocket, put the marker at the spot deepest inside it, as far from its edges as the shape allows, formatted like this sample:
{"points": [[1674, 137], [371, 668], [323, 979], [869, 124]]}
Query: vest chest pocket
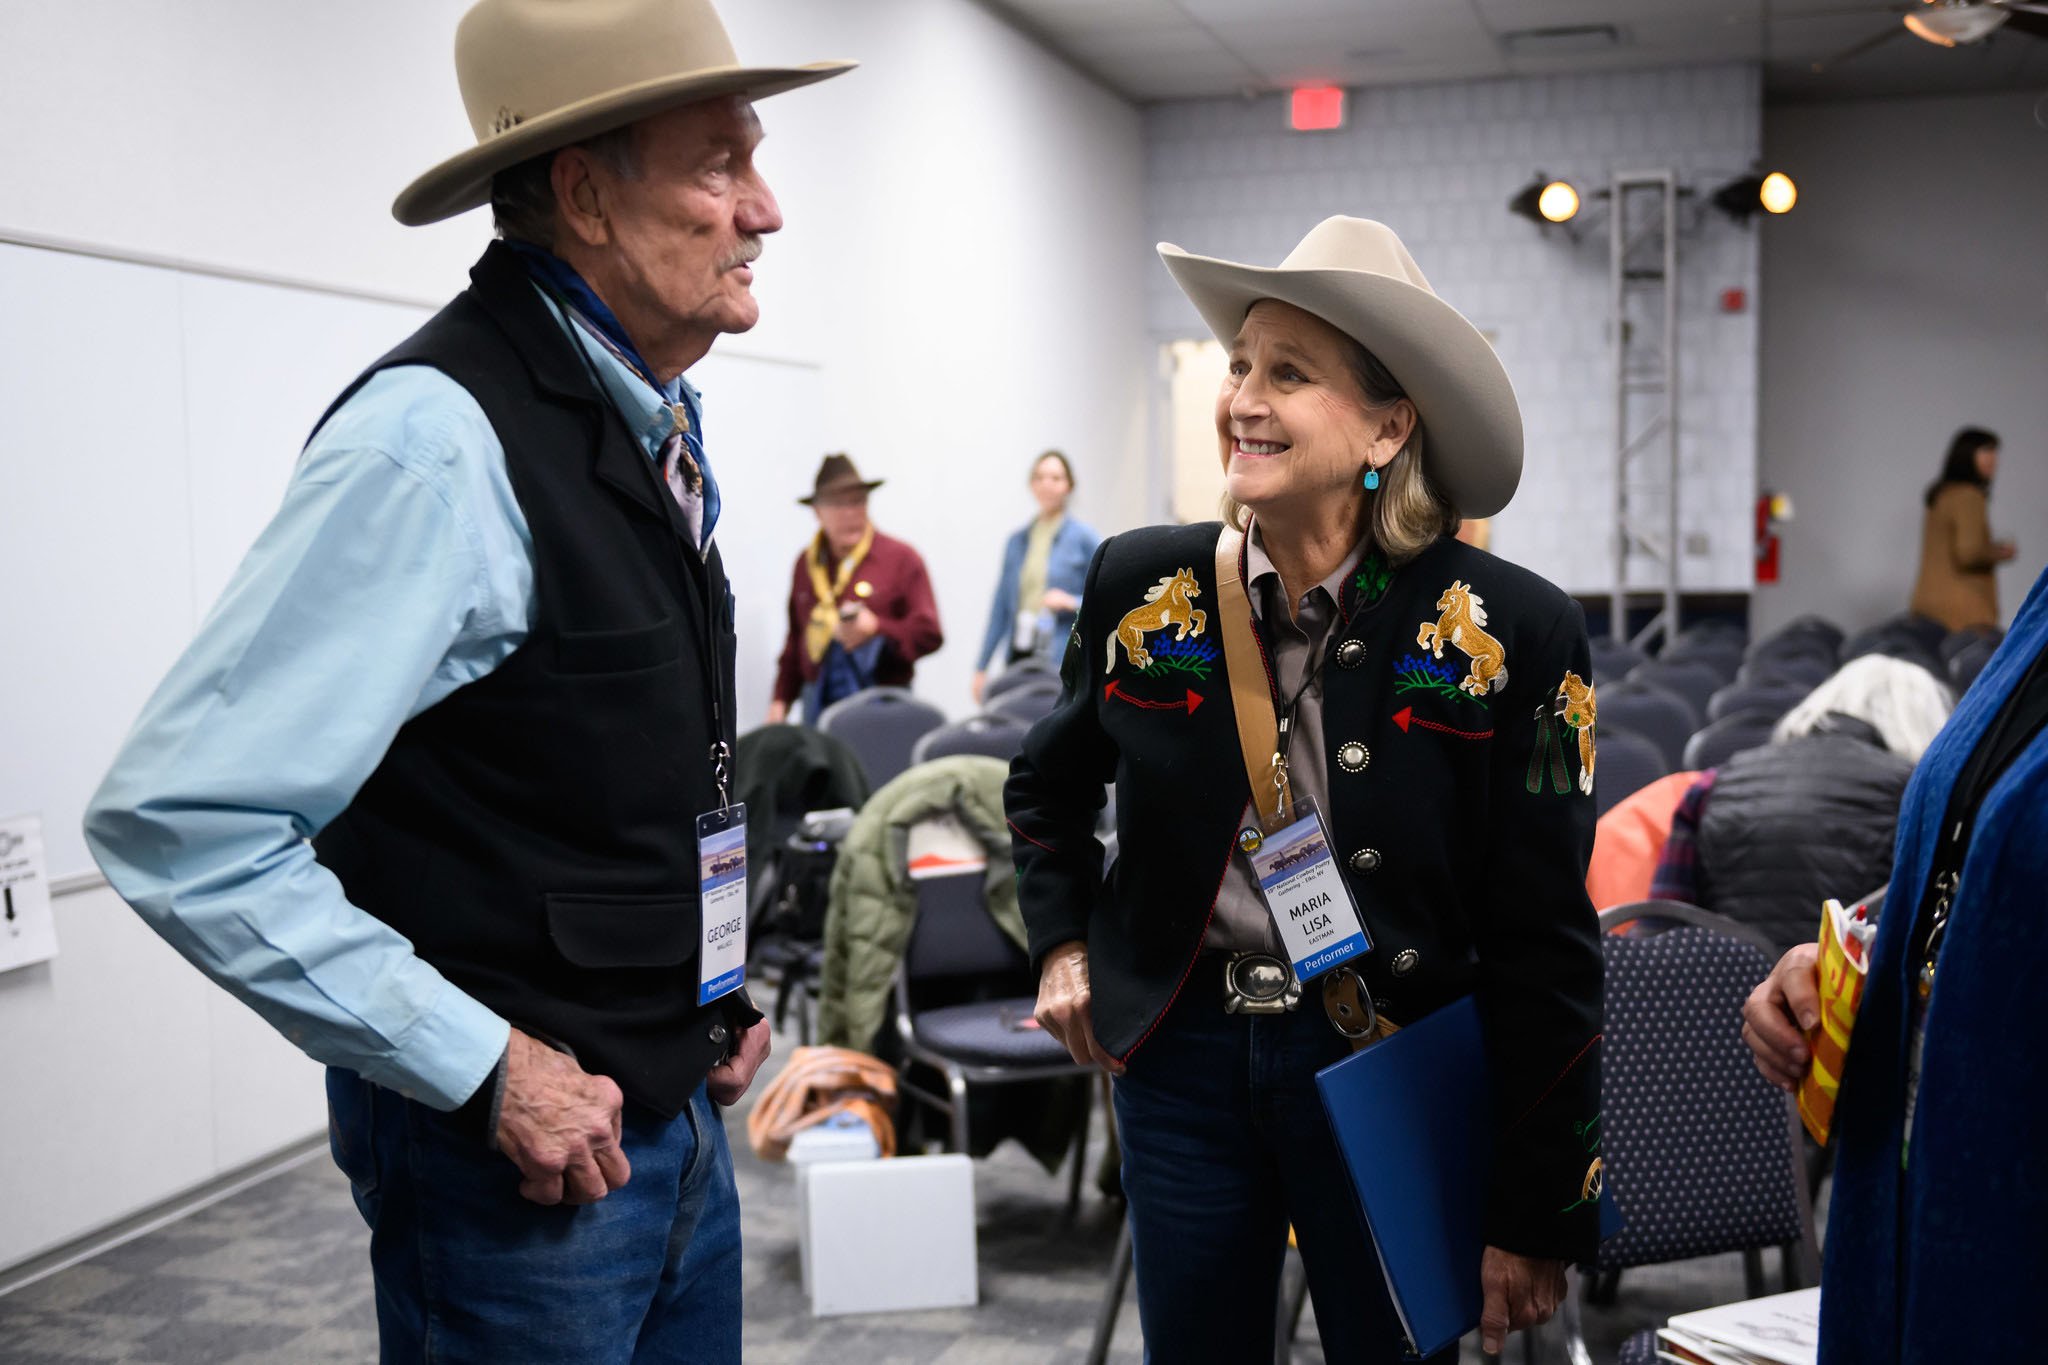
{"points": [[618, 651], [594, 930]]}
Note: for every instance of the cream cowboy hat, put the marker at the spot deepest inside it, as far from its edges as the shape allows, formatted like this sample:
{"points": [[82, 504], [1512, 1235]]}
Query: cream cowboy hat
{"points": [[1355, 275], [538, 75]]}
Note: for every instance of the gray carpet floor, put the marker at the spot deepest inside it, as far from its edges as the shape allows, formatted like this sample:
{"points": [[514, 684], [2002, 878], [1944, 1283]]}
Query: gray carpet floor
{"points": [[279, 1275]]}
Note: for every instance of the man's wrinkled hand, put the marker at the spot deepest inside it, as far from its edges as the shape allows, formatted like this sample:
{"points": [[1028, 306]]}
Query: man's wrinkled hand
{"points": [[730, 1078], [560, 1125], [1780, 1013]]}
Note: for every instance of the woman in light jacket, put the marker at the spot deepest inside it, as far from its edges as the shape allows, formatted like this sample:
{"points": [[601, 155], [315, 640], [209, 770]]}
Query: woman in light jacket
{"points": [[1044, 564], [1957, 554]]}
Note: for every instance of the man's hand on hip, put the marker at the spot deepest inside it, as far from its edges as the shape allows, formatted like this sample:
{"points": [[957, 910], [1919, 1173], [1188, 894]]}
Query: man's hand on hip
{"points": [[730, 1078], [560, 1126]]}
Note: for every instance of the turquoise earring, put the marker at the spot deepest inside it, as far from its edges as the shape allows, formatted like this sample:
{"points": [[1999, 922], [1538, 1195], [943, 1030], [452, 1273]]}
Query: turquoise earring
{"points": [[1372, 478]]}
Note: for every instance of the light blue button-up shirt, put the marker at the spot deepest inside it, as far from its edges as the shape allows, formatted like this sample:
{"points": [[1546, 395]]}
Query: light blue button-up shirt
{"points": [[399, 568]]}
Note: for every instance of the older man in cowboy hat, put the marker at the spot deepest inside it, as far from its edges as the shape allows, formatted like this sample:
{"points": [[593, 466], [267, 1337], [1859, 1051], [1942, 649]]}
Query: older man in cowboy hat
{"points": [[429, 790], [861, 611]]}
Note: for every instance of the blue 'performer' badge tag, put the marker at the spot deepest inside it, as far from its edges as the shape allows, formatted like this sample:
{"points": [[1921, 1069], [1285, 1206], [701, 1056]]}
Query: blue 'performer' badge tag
{"points": [[1306, 895], [722, 882]]}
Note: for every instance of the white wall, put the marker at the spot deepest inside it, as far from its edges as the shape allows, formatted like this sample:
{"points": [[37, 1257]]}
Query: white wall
{"points": [[1438, 163], [1906, 296], [960, 282]]}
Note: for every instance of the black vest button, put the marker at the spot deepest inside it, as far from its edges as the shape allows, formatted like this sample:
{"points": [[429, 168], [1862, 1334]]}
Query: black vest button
{"points": [[1351, 654], [1366, 860], [717, 1034], [1353, 756], [1405, 961]]}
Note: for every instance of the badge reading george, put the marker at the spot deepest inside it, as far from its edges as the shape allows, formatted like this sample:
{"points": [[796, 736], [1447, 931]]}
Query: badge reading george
{"points": [[1167, 604], [1462, 624]]}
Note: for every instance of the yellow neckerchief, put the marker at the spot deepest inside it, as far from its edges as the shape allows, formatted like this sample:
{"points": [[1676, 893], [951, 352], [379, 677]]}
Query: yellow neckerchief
{"points": [[825, 611]]}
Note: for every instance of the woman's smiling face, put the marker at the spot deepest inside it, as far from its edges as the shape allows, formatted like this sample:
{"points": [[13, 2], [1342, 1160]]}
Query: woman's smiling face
{"points": [[1292, 423]]}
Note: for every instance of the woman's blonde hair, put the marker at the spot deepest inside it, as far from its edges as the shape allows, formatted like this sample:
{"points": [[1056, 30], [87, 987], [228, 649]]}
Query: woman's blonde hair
{"points": [[1409, 510]]}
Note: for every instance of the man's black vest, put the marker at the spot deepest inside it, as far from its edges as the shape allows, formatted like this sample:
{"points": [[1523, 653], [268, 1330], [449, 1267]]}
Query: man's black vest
{"points": [[534, 833]]}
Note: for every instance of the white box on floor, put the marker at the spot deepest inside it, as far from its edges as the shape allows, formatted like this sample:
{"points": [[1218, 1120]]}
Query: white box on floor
{"points": [[887, 1236]]}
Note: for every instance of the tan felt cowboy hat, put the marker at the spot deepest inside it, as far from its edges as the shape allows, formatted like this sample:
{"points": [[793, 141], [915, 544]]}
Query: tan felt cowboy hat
{"points": [[1355, 275], [538, 75], [838, 475]]}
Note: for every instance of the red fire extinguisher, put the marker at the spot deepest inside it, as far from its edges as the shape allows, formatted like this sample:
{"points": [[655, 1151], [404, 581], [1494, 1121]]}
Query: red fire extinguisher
{"points": [[1772, 511]]}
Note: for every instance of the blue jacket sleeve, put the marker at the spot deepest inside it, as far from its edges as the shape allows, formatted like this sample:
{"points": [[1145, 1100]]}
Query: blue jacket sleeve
{"points": [[1002, 613]]}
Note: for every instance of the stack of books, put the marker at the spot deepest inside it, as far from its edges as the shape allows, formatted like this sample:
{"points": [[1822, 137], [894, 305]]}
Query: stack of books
{"points": [[1783, 1329]]}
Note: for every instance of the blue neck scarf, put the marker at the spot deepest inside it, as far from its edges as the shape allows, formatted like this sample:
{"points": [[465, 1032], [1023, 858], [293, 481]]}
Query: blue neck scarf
{"points": [[558, 277]]}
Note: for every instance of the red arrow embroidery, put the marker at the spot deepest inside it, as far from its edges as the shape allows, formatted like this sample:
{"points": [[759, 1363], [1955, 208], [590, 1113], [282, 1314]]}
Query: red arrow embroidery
{"points": [[1115, 689], [1406, 716]]}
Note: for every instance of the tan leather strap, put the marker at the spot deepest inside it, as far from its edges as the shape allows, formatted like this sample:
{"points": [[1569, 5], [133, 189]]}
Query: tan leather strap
{"points": [[1258, 734], [1350, 1009]]}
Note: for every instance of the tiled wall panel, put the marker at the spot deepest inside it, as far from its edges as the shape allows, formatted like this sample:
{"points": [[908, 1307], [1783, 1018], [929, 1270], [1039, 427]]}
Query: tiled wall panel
{"points": [[1438, 163]]}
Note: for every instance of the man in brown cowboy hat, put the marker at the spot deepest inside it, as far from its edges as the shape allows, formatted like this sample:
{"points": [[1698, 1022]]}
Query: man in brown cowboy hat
{"points": [[429, 789], [861, 611]]}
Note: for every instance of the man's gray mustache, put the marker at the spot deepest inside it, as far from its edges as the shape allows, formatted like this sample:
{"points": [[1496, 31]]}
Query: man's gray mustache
{"points": [[749, 252]]}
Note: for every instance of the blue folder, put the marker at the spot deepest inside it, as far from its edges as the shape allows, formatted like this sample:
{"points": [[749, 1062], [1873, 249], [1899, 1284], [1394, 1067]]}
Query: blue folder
{"points": [[1413, 1117]]}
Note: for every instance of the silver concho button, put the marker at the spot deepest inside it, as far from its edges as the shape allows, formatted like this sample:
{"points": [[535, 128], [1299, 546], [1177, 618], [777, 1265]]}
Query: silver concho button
{"points": [[1351, 654], [1366, 860], [1353, 756], [1405, 961]]}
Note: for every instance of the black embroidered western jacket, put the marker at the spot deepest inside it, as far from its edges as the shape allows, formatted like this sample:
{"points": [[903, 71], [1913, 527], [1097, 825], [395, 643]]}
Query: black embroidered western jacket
{"points": [[1458, 720]]}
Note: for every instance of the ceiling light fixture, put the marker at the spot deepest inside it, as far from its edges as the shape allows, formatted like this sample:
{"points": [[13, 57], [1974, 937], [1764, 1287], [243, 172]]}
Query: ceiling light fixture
{"points": [[1742, 198], [1544, 201], [1948, 25]]}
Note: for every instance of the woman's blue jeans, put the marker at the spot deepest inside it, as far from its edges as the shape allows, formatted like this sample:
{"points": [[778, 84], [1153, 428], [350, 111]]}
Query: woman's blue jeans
{"points": [[1224, 1146], [468, 1270]]}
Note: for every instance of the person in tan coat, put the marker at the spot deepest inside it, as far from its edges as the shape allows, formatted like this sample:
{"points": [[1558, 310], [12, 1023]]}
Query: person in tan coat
{"points": [[1957, 554]]}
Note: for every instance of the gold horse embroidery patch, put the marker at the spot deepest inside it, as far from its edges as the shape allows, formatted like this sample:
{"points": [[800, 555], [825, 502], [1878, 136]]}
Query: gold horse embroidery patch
{"points": [[1167, 605], [1580, 711], [1462, 624]]}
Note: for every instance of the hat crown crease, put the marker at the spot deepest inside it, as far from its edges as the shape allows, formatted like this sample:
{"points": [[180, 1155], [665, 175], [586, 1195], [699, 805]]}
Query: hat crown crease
{"points": [[591, 47]]}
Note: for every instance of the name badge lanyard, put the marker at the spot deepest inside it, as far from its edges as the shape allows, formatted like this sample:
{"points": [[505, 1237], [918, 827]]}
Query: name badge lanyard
{"points": [[721, 833], [1289, 851]]}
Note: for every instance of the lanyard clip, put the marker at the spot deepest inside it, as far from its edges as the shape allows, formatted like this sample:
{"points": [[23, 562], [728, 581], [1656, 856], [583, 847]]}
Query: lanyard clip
{"points": [[721, 772]]}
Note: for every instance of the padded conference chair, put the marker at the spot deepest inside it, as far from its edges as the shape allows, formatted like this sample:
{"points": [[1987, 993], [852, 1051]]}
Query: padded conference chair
{"points": [[881, 725], [1612, 658], [1701, 1154], [1019, 674], [1624, 764], [955, 944], [1695, 680], [1028, 704], [995, 736], [1774, 697], [1664, 718], [1724, 738]]}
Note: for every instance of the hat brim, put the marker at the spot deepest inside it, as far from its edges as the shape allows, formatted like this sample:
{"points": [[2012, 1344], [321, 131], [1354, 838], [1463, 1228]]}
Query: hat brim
{"points": [[865, 486], [1471, 419], [463, 181]]}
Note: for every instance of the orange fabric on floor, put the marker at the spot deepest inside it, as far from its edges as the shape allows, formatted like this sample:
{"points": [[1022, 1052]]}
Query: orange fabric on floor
{"points": [[1629, 840]]}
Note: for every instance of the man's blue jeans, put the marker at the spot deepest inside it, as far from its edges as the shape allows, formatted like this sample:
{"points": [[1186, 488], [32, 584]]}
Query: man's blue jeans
{"points": [[469, 1271], [1224, 1145]]}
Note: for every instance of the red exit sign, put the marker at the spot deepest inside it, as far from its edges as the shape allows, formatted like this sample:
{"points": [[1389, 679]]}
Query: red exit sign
{"points": [[1316, 108]]}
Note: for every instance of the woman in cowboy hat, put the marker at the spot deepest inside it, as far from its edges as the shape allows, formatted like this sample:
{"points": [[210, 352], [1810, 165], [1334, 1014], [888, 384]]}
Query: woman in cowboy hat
{"points": [[861, 610], [1330, 649]]}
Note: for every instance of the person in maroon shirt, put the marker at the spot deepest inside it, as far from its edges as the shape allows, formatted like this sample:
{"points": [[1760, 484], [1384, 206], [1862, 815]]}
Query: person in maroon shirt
{"points": [[861, 612]]}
